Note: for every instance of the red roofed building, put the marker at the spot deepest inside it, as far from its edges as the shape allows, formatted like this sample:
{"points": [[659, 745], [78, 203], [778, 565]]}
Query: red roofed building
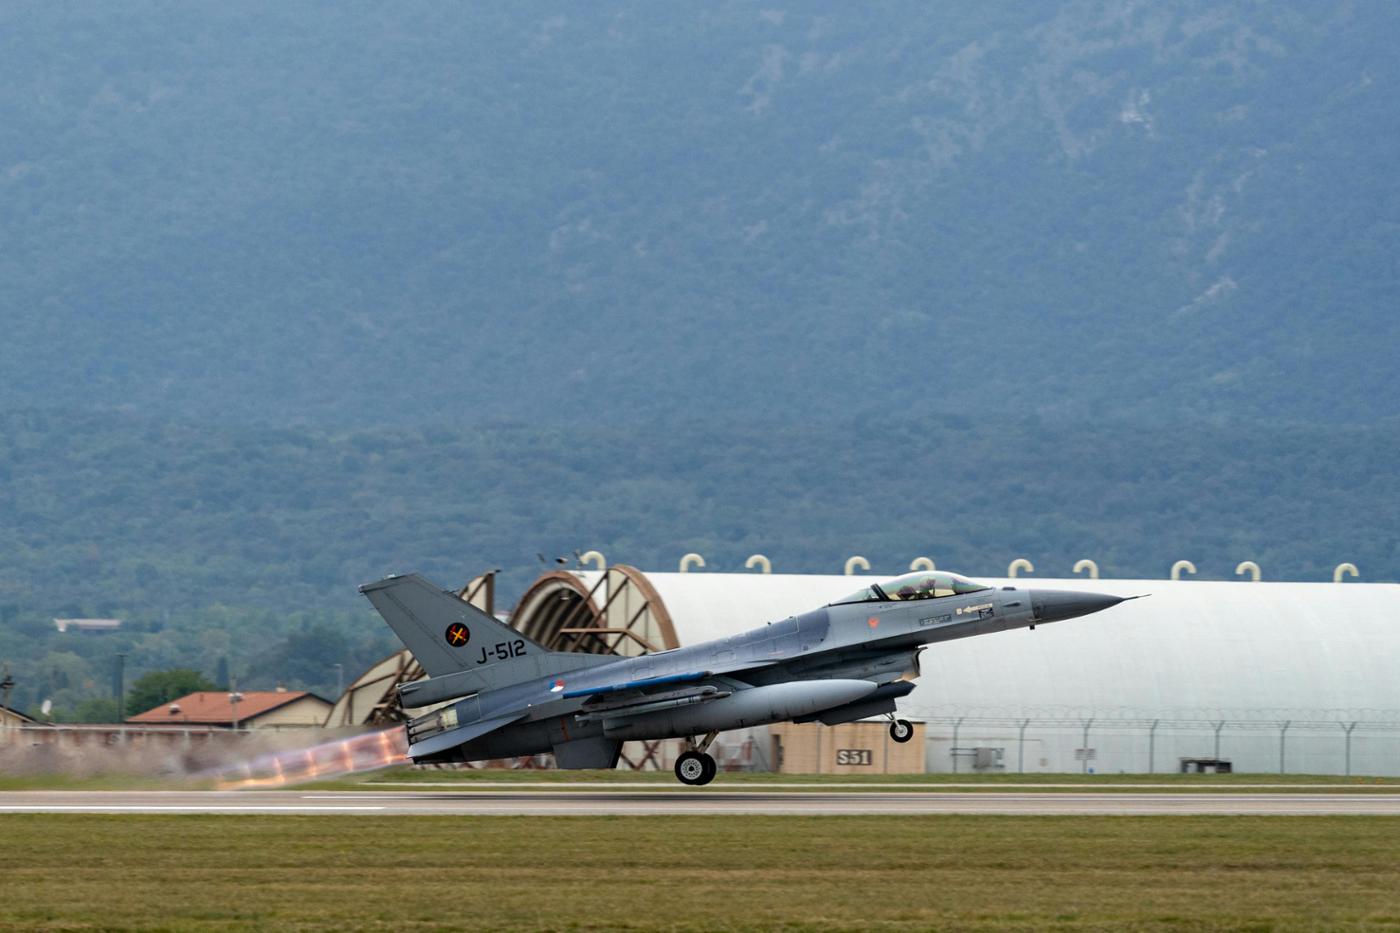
{"points": [[253, 709]]}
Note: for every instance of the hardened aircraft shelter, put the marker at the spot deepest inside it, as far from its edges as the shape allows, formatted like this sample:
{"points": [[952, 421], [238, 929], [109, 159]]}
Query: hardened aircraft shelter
{"points": [[1255, 676]]}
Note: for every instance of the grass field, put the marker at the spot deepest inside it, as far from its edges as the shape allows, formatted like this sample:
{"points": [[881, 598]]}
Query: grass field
{"points": [[699, 873], [98, 782]]}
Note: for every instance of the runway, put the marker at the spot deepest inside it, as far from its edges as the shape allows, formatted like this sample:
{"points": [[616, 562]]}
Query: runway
{"points": [[695, 802]]}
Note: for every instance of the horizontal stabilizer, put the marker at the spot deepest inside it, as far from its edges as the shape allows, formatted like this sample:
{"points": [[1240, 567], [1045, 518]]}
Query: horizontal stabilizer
{"points": [[454, 737]]}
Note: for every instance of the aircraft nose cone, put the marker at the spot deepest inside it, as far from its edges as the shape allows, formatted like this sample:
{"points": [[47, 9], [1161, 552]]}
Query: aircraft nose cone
{"points": [[1056, 605]]}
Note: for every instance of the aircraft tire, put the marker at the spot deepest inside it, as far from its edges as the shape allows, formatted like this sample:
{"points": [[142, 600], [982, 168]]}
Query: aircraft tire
{"points": [[901, 730], [695, 769]]}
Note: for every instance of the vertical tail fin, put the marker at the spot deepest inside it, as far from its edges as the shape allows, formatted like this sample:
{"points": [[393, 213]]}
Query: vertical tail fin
{"points": [[444, 633]]}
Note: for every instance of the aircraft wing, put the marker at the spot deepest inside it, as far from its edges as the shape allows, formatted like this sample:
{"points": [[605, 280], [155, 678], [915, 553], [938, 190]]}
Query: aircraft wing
{"points": [[634, 703], [641, 685], [644, 685], [636, 697]]}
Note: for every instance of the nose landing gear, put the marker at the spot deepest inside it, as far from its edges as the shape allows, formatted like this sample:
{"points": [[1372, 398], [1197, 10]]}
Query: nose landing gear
{"points": [[901, 730], [696, 767]]}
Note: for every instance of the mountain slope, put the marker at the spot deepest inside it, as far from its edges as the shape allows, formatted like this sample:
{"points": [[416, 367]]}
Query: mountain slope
{"points": [[356, 215]]}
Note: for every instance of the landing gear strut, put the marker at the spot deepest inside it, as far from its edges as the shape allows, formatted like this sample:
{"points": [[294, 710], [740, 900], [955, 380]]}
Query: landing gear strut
{"points": [[901, 730], [696, 767]]}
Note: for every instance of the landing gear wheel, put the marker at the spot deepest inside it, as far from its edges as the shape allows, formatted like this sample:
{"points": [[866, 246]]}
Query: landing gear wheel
{"points": [[901, 730], [695, 769]]}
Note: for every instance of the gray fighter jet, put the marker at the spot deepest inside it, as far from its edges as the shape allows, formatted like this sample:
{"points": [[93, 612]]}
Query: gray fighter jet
{"points": [[852, 659]]}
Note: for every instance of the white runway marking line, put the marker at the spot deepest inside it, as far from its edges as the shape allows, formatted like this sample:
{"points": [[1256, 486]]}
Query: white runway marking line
{"points": [[866, 804], [175, 809], [730, 810], [989, 799]]}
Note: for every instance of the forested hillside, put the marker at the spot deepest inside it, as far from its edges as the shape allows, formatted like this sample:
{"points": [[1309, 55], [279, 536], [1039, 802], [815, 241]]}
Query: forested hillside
{"points": [[247, 544], [347, 213]]}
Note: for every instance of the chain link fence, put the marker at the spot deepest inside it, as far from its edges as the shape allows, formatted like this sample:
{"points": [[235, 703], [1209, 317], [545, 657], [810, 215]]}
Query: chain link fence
{"points": [[1280, 741]]}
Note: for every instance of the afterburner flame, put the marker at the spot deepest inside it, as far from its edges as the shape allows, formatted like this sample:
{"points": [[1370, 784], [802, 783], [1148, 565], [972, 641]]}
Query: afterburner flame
{"points": [[366, 752]]}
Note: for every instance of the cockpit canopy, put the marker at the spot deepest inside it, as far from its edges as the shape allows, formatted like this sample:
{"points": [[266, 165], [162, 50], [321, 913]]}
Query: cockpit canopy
{"points": [[923, 584]]}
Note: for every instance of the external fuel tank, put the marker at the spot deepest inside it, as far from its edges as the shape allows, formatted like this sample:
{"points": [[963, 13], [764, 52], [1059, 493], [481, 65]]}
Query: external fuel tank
{"points": [[753, 707]]}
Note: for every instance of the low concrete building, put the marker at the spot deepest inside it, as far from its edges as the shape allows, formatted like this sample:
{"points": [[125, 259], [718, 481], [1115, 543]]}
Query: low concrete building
{"points": [[87, 625], [849, 748], [252, 709]]}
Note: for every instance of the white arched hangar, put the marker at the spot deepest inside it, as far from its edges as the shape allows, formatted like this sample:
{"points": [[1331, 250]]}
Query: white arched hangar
{"points": [[1292, 677]]}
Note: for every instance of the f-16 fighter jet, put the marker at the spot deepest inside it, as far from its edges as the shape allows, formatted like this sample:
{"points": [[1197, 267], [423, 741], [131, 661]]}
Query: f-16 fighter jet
{"points": [[852, 659]]}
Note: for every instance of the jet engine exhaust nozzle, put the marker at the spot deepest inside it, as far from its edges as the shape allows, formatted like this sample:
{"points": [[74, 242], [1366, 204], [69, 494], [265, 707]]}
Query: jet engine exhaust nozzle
{"points": [[1058, 605]]}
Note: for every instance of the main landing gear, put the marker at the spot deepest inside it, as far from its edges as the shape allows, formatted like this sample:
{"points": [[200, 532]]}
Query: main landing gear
{"points": [[696, 767], [901, 730]]}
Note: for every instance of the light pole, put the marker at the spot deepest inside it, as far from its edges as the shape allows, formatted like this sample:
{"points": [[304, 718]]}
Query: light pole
{"points": [[121, 687], [234, 698], [175, 710], [7, 683], [1347, 727]]}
